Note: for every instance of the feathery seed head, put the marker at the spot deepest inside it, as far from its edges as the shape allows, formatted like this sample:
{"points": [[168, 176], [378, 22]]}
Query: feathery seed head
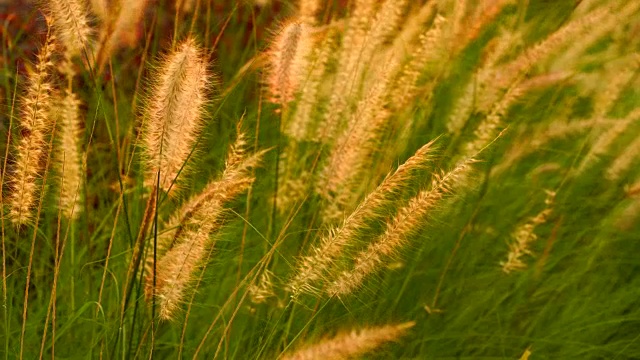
{"points": [[68, 156], [175, 113], [399, 229], [71, 25], [32, 146], [525, 235], [288, 61], [313, 267], [350, 345], [184, 247], [120, 29]]}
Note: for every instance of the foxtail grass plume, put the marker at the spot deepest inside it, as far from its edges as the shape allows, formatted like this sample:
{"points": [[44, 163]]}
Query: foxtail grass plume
{"points": [[406, 222], [32, 145], [71, 24], [485, 13], [383, 28], [342, 176], [623, 15], [472, 98], [615, 80], [625, 160], [130, 14], [496, 77], [120, 29], [288, 61], [351, 345], [262, 289], [175, 114], [607, 139], [525, 235], [68, 155], [428, 54], [557, 130], [489, 127], [187, 243], [314, 267], [509, 75], [237, 167], [349, 59], [302, 126]]}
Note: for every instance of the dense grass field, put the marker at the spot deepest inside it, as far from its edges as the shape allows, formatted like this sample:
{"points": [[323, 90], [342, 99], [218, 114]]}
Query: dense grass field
{"points": [[380, 179]]}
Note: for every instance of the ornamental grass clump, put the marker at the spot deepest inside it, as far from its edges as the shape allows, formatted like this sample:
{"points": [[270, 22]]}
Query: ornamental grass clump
{"points": [[408, 179]]}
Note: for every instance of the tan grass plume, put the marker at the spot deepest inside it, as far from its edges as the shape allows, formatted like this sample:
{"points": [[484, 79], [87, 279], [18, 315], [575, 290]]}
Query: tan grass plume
{"points": [[406, 222], [412, 28], [625, 160], [301, 125], [71, 24], [32, 146], [175, 113], [342, 176], [68, 155], [525, 235], [313, 268], [183, 248], [349, 59], [120, 29], [607, 139], [429, 54], [352, 344], [288, 61]]}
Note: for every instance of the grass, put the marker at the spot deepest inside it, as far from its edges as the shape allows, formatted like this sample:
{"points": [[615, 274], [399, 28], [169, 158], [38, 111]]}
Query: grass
{"points": [[532, 117]]}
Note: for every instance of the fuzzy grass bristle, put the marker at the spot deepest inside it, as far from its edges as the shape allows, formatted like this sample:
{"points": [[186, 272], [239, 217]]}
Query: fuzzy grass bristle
{"points": [[185, 245], [406, 222], [68, 156], [314, 267], [32, 145], [352, 344], [175, 114], [288, 61], [525, 235], [71, 24]]}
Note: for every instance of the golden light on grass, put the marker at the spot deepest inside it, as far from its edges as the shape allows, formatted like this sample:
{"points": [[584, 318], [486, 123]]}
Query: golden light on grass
{"points": [[186, 241], [175, 114], [288, 61], [32, 145], [119, 28], [342, 176], [68, 155], [315, 267], [406, 222], [71, 24], [351, 344], [525, 235], [308, 10]]}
